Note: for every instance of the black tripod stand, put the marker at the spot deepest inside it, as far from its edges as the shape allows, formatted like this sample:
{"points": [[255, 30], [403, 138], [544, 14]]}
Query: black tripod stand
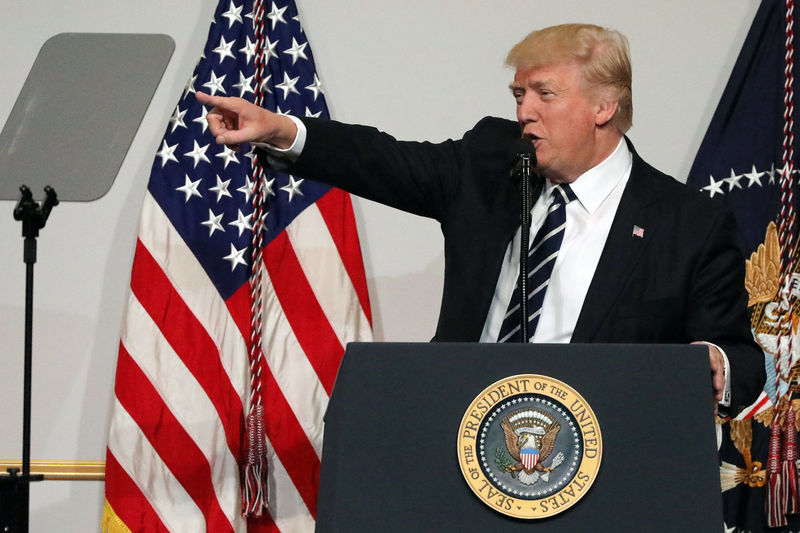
{"points": [[14, 488]]}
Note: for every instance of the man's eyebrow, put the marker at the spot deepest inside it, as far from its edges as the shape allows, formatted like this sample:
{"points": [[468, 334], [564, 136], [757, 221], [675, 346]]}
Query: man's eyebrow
{"points": [[514, 85]]}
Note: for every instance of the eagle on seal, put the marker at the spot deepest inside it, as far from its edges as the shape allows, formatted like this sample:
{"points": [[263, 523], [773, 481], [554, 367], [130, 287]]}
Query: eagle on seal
{"points": [[530, 437]]}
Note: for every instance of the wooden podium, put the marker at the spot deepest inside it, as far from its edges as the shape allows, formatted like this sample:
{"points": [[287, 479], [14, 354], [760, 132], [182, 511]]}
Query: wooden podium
{"points": [[390, 455]]}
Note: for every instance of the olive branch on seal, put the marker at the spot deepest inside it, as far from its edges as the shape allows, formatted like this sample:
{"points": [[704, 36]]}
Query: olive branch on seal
{"points": [[501, 459]]}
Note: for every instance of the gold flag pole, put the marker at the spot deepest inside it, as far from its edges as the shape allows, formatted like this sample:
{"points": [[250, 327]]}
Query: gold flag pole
{"points": [[62, 470]]}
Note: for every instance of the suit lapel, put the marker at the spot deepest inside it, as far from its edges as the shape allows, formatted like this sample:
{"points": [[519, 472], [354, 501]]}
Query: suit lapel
{"points": [[621, 253], [494, 240]]}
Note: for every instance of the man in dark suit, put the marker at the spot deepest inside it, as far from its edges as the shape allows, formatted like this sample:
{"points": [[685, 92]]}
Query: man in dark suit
{"points": [[643, 258]]}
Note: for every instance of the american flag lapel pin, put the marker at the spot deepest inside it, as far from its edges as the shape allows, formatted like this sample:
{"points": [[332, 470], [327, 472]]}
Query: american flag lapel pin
{"points": [[638, 232]]}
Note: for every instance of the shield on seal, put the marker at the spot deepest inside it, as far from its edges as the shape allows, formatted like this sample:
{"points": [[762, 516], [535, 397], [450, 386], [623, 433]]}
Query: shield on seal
{"points": [[529, 457]]}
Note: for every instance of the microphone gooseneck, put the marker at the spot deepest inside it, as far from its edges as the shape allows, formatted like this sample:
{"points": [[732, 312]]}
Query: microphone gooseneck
{"points": [[524, 161]]}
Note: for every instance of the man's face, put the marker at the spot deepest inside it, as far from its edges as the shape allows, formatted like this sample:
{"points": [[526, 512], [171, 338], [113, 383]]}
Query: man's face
{"points": [[559, 114]]}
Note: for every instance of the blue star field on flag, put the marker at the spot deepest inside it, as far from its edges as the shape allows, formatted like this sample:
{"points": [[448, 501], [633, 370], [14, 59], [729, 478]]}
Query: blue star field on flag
{"points": [[739, 160], [206, 188]]}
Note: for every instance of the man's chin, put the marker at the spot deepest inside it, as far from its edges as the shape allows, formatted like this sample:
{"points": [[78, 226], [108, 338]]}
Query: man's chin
{"points": [[543, 168], [553, 175]]}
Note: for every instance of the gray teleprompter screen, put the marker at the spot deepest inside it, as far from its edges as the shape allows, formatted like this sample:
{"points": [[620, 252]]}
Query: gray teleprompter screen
{"points": [[78, 112]]}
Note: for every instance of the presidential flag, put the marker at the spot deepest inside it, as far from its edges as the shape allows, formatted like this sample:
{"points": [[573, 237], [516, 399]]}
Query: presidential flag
{"points": [[246, 285], [747, 161]]}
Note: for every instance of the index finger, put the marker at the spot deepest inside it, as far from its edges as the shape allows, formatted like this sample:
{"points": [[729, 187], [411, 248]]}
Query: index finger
{"points": [[207, 99]]}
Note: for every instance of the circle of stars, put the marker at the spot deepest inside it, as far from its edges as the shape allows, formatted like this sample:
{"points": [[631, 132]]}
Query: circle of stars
{"points": [[548, 487]]}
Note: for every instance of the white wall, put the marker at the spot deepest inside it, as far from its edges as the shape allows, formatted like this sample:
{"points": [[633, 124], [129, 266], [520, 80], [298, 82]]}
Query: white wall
{"points": [[419, 69]]}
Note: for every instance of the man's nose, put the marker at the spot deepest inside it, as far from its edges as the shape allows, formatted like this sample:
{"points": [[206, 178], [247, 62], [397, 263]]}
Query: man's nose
{"points": [[528, 111]]}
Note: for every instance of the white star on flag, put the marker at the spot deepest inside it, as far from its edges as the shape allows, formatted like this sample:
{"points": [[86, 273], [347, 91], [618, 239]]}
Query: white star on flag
{"points": [[221, 188], [247, 189], [296, 51], [233, 14], [293, 187], [754, 177], [733, 181], [190, 86], [177, 119], [288, 85], [315, 87], [167, 153], [223, 50], [198, 154], [244, 84], [771, 173], [270, 48], [213, 223], [242, 222], [202, 118], [276, 15], [714, 187], [266, 85], [268, 188], [215, 84], [227, 155], [251, 155], [236, 257], [249, 49], [189, 188]]}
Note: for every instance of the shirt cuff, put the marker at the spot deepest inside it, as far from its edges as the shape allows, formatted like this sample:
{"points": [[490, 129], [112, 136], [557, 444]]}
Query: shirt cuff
{"points": [[281, 158]]}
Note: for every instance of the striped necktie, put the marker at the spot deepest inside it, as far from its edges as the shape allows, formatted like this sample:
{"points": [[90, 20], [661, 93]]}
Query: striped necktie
{"points": [[541, 258]]}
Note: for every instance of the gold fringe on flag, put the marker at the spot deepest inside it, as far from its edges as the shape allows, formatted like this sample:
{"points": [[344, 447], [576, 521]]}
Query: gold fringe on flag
{"points": [[111, 523]]}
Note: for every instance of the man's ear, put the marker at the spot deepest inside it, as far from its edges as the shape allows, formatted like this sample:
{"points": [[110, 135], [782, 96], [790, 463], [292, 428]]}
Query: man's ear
{"points": [[605, 111]]}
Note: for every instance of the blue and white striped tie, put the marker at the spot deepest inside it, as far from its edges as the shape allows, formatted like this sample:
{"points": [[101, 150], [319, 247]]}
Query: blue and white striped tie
{"points": [[541, 258]]}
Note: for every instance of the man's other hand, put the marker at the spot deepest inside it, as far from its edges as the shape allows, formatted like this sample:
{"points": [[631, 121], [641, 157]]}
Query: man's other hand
{"points": [[717, 372]]}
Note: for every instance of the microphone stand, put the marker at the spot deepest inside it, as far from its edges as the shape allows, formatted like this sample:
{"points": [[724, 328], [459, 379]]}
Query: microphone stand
{"points": [[527, 162], [15, 512]]}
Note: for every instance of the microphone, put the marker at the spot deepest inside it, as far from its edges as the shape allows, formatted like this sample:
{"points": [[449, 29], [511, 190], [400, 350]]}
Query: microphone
{"points": [[522, 154]]}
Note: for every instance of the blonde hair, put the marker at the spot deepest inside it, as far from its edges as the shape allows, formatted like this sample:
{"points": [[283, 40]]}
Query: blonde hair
{"points": [[603, 55]]}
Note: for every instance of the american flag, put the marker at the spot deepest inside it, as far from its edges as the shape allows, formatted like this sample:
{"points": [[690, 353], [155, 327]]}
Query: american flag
{"points": [[175, 446]]}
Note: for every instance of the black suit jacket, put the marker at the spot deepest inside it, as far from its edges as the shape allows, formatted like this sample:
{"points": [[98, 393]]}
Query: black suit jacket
{"points": [[682, 281]]}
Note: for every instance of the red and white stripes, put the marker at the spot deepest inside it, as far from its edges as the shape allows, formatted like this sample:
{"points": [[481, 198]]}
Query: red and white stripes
{"points": [[184, 350]]}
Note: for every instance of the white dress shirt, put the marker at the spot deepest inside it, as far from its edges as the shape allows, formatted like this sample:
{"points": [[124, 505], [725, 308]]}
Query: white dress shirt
{"points": [[589, 219]]}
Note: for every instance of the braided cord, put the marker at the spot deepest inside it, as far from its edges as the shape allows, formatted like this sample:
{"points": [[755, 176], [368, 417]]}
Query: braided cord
{"points": [[254, 497], [786, 236]]}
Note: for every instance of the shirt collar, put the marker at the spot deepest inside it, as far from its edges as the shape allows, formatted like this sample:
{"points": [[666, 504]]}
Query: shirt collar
{"points": [[593, 186]]}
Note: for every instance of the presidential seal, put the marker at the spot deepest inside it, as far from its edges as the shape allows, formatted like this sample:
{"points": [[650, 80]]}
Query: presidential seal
{"points": [[529, 446]]}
